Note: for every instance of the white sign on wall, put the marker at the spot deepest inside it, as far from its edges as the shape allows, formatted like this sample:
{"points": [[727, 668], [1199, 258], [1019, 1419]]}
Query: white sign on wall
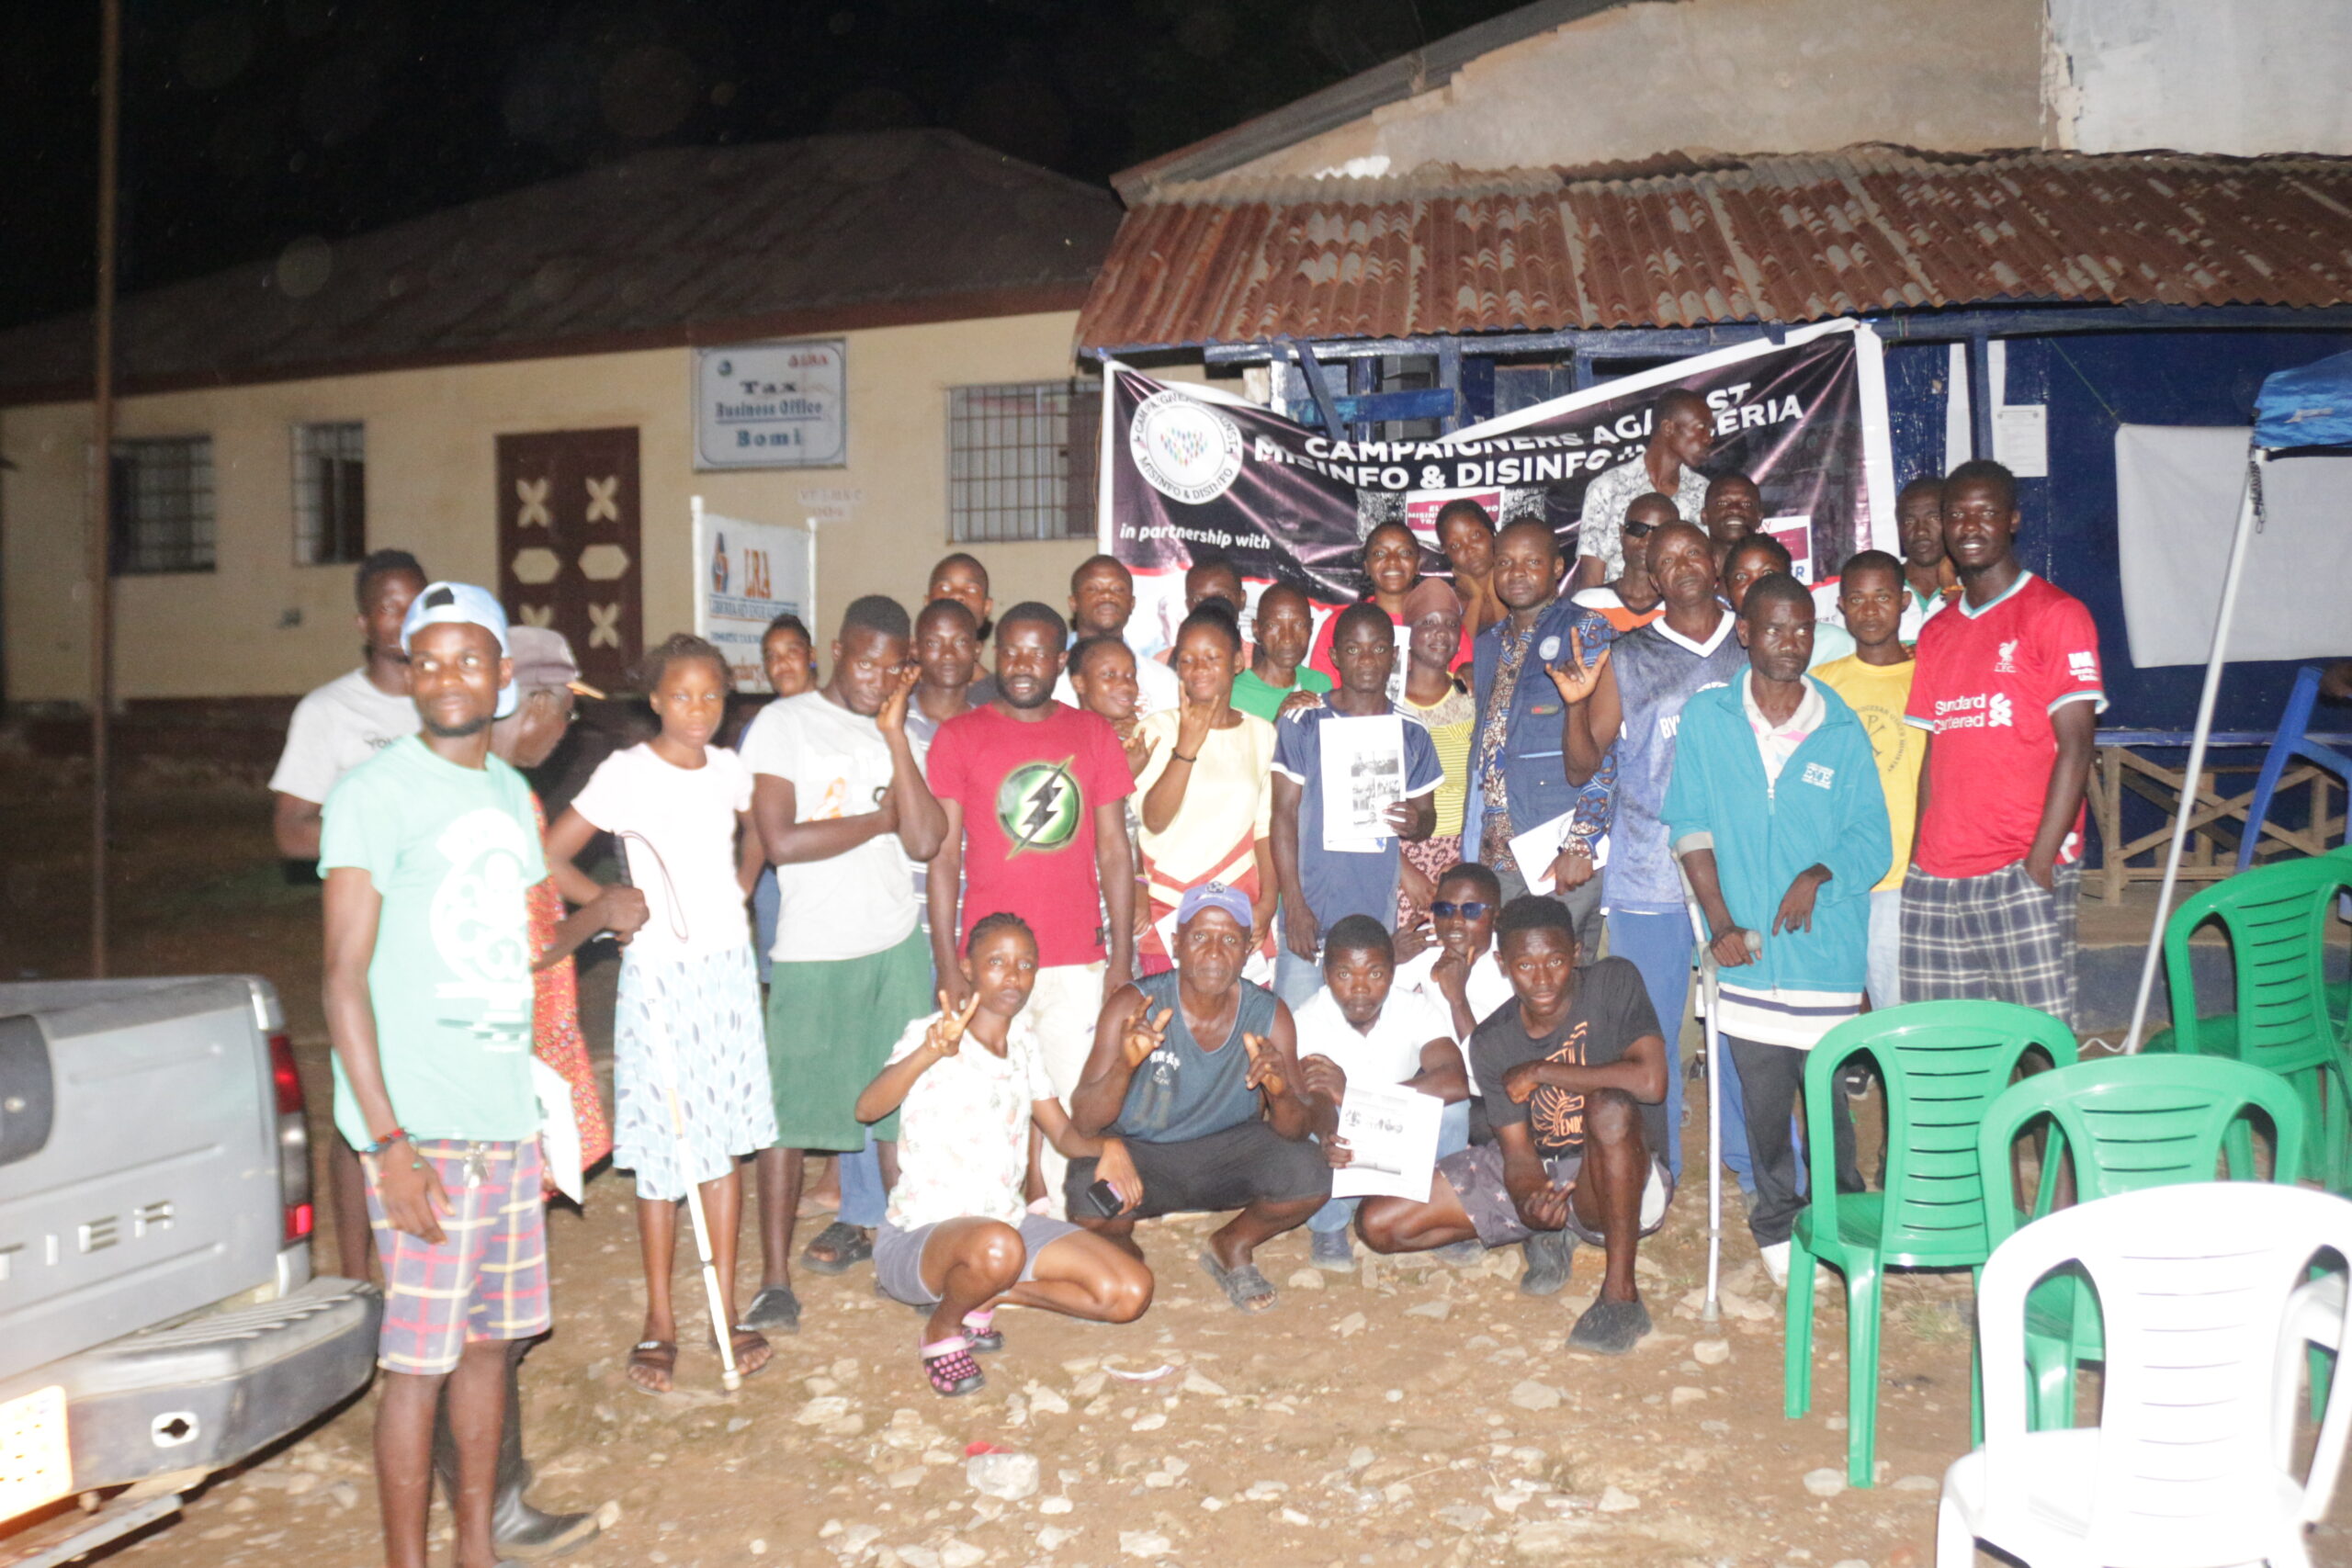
{"points": [[772, 405], [746, 574]]}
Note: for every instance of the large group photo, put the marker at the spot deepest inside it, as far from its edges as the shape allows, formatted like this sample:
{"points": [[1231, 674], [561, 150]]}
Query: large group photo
{"points": [[1324, 810]]}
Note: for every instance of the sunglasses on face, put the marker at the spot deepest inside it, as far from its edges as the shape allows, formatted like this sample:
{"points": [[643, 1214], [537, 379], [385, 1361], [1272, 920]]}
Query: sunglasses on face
{"points": [[1471, 909], [1638, 530]]}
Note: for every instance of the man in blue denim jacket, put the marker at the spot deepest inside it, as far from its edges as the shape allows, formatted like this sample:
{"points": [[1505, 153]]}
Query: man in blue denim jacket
{"points": [[1518, 781]]}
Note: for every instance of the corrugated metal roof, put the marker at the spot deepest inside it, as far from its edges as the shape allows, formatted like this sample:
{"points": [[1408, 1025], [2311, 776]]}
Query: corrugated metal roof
{"points": [[672, 246], [1697, 242]]}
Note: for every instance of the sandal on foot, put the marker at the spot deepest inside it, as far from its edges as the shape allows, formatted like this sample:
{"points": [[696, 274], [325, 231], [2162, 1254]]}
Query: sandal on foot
{"points": [[948, 1364], [837, 1249], [1247, 1289], [741, 1340], [1610, 1328], [981, 1331], [776, 1310], [658, 1355], [1548, 1255]]}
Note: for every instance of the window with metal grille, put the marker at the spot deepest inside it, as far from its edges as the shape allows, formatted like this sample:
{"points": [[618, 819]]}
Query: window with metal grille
{"points": [[1020, 460], [330, 493], [162, 505]]}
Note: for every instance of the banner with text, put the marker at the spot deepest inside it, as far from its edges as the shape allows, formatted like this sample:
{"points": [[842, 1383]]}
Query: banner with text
{"points": [[746, 574], [1187, 468]]}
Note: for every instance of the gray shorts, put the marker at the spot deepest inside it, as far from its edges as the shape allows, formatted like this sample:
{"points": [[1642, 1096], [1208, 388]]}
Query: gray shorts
{"points": [[1475, 1174], [898, 1256]]}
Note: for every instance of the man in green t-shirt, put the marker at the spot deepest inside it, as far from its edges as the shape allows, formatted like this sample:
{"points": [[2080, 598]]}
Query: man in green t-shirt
{"points": [[1284, 630], [427, 851]]}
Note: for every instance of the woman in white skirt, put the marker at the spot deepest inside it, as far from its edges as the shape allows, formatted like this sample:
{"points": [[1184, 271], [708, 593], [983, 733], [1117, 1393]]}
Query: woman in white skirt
{"points": [[689, 1012]]}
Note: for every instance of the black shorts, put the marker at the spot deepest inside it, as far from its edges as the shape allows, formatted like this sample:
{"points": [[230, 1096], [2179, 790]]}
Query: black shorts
{"points": [[1245, 1164]]}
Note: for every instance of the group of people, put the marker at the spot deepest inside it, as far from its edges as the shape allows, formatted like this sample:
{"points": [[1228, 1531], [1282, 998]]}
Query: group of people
{"points": [[1061, 938]]}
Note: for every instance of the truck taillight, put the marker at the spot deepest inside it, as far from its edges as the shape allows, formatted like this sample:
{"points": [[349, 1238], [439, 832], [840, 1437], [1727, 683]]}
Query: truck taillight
{"points": [[293, 1142]]}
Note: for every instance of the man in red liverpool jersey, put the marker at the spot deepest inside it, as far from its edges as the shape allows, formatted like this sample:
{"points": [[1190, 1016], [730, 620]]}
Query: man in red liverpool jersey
{"points": [[2008, 689]]}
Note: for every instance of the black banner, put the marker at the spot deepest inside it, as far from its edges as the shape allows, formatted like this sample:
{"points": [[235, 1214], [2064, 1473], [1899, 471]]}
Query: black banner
{"points": [[1189, 468]]}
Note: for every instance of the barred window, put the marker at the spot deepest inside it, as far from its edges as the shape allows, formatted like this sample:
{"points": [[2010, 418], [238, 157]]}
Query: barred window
{"points": [[330, 493], [162, 505], [1020, 460]]}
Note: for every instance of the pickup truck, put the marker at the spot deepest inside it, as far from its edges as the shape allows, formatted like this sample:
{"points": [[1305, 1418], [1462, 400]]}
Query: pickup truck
{"points": [[159, 1320]]}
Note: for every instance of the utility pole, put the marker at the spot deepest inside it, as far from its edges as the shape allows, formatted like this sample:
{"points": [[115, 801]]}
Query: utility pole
{"points": [[100, 532]]}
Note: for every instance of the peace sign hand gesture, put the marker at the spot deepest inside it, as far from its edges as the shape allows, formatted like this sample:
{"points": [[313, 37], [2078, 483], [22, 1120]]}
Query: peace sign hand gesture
{"points": [[1577, 681], [947, 1032], [1265, 1067], [1143, 1035]]}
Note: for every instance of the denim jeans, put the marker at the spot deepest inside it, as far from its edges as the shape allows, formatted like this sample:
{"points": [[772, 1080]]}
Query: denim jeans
{"points": [[1452, 1137], [862, 1196], [1885, 981], [1296, 979], [1658, 939]]}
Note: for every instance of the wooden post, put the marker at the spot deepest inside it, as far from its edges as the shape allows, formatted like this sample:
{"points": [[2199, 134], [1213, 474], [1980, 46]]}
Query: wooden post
{"points": [[100, 532]]}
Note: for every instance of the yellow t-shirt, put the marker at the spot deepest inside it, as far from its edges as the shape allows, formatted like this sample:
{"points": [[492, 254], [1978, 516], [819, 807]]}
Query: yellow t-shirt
{"points": [[1228, 801], [1878, 694]]}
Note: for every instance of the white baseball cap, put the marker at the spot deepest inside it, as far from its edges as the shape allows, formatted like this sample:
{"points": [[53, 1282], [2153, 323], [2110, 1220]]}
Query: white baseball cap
{"points": [[462, 604]]}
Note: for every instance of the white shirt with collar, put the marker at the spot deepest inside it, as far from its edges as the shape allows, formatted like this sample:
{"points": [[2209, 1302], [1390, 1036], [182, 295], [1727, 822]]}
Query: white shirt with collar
{"points": [[1389, 1053], [1487, 988]]}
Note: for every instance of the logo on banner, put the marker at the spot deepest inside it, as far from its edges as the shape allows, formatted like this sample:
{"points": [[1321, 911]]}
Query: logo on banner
{"points": [[718, 563], [1185, 449]]}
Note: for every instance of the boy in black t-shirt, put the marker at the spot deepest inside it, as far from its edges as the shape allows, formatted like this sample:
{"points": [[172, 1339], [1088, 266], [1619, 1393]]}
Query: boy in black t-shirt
{"points": [[1573, 1072]]}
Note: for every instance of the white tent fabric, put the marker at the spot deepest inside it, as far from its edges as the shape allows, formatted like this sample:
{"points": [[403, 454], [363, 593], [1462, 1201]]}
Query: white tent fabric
{"points": [[2178, 489], [2294, 413]]}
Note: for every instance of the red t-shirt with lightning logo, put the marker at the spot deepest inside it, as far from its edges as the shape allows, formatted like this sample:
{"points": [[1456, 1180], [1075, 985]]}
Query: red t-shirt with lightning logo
{"points": [[1986, 682], [1029, 792]]}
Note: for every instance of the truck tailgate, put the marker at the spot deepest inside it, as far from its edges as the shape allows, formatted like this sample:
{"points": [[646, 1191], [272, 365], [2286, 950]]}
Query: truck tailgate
{"points": [[155, 1192]]}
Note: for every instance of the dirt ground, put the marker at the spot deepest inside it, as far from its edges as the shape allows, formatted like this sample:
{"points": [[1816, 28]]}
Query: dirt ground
{"points": [[1409, 1413]]}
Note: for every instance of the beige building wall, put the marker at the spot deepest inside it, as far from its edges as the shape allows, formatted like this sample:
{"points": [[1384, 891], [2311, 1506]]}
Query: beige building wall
{"points": [[1726, 76], [258, 625]]}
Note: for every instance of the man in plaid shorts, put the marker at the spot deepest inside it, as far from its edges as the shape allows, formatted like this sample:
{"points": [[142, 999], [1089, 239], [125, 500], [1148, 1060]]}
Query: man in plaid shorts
{"points": [[2007, 687], [427, 851]]}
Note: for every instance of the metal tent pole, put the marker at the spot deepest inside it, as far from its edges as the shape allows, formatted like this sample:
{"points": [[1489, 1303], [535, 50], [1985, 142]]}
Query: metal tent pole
{"points": [[2249, 515]]}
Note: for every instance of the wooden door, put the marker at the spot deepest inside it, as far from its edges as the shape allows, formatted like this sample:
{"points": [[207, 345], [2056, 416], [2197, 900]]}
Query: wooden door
{"points": [[568, 544]]}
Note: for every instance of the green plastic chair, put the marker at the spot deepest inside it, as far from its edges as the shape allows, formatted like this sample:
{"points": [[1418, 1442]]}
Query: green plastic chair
{"points": [[1943, 1064], [2122, 1124], [2287, 1018]]}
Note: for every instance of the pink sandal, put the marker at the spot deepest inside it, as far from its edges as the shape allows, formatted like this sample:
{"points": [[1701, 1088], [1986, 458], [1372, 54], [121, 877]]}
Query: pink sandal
{"points": [[949, 1365], [980, 1333]]}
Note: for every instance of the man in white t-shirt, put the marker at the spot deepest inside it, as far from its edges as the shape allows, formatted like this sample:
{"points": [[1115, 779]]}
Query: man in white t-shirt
{"points": [[1101, 600], [842, 810], [334, 729], [1363, 1029], [353, 716]]}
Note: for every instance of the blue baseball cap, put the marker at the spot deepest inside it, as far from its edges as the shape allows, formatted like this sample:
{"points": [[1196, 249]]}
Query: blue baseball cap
{"points": [[1212, 895], [462, 604]]}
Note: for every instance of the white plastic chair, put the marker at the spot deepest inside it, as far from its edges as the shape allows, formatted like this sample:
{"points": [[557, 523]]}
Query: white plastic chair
{"points": [[2315, 1318], [2188, 1468]]}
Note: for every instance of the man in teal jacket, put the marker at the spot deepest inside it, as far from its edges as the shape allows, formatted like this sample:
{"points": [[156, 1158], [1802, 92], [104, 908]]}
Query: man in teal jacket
{"points": [[1775, 809]]}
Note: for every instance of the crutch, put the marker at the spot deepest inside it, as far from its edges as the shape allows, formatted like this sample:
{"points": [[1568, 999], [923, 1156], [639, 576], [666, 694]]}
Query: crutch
{"points": [[721, 1330], [1709, 993]]}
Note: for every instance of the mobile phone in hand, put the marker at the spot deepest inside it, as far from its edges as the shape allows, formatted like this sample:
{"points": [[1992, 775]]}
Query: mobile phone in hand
{"points": [[1102, 1199]]}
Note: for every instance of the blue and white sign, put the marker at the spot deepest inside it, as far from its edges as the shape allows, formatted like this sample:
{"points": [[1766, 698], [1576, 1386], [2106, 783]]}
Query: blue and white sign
{"points": [[772, 405]]}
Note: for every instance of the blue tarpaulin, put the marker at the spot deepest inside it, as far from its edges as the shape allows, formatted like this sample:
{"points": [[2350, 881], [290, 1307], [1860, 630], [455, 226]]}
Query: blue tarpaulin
{"points": [[2308, 406]]}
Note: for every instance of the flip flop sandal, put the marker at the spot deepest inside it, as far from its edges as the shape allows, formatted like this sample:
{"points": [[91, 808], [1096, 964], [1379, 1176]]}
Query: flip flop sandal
{"points": [[648, 1353], [1247, 1289], [774, 1310], [845, 1247], [981, 1331], [948, 1364], [735, 1336]]}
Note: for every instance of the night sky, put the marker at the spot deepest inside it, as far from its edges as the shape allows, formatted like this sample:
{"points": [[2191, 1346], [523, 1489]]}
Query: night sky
{"points": [[248, 124]]}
